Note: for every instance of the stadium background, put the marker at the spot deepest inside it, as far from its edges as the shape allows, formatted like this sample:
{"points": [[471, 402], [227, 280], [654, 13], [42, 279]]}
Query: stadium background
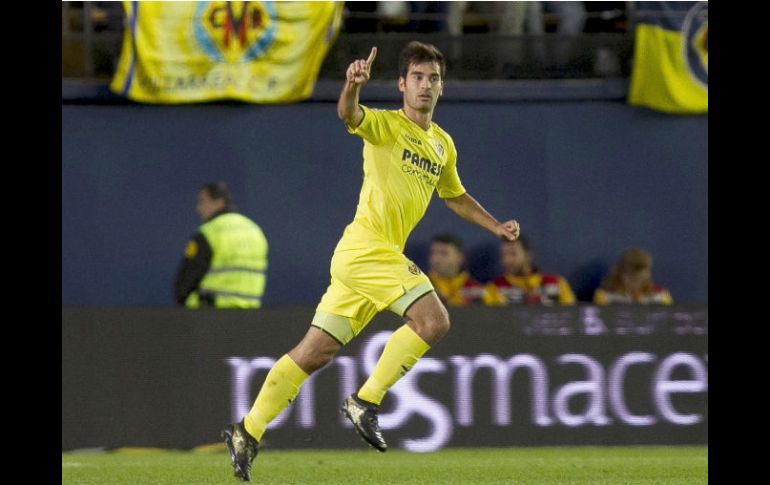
{"points": [[585, 174]]}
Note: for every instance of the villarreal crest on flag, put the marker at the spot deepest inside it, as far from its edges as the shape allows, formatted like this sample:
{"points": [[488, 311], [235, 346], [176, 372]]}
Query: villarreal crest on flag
{"points": [[670, 70], [260, 52]]}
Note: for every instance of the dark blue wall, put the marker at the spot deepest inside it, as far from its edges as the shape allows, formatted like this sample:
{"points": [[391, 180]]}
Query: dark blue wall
{"points": [[584, 179]]}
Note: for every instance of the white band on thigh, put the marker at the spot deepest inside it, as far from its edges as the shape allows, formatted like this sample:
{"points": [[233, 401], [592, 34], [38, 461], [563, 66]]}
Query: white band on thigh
{"points": [[400, 306]]}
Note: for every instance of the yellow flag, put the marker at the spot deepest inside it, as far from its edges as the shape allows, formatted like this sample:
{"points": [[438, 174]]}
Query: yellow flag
{"points": [[670, 70], [260, 52]]}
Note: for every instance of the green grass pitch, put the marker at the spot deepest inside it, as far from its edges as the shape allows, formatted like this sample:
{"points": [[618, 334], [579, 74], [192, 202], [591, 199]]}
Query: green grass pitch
{"points": [[480, 466]]}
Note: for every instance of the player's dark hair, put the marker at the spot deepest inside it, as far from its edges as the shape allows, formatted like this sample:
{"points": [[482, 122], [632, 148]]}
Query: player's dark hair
{"points": [[219, 191], [447, 238], [417, 52]]}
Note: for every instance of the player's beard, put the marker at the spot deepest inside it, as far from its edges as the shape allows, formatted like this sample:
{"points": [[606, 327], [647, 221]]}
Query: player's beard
{"points": [[423, 105]]}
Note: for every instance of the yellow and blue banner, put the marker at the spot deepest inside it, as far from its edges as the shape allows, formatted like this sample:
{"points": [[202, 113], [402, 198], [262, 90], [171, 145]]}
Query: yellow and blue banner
{"points": [[670, 70], [259, 52]]}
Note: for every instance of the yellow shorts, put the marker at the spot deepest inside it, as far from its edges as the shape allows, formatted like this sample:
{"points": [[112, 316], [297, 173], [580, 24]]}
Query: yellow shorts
{"points": [[363, 283]]}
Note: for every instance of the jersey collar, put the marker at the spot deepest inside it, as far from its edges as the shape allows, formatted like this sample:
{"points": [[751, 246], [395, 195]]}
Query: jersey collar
{"points": [[429, 131]]}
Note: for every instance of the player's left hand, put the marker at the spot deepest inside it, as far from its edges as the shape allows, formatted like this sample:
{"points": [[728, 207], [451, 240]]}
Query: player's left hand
{"points": [[509, 230]]}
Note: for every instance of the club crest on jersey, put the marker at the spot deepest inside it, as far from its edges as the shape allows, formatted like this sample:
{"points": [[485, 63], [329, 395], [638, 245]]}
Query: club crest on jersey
{"points": [[414, 269], [234, 31], [439, 147]]}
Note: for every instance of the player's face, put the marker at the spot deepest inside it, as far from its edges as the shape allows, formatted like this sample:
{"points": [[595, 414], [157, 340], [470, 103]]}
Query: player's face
{"points": [[515, 259], [206, 206], [422, 86], [445, 259]]}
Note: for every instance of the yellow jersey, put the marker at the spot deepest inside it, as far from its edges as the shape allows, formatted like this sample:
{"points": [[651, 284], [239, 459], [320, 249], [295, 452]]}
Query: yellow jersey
{"points": [[403, 164]]}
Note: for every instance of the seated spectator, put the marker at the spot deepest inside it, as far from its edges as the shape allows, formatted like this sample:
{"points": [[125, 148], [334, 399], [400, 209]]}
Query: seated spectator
{"points": [[630, 281], [453, 284], [522, 282]]}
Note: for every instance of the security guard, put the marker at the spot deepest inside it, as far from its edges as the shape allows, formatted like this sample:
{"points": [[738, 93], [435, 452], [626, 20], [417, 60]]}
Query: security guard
{"points": [[225, 263]]}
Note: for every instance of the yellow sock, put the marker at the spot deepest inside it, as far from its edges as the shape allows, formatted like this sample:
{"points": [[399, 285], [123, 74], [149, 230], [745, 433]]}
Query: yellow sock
{"points": [[280, 388], [402, 351]]}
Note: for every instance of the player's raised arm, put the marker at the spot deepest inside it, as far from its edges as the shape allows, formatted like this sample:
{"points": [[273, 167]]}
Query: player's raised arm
{"points": [[356, 76]]}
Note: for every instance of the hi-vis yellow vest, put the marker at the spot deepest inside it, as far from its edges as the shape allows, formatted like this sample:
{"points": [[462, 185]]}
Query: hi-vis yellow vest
{"points": [[259, 52], [236, 277]]}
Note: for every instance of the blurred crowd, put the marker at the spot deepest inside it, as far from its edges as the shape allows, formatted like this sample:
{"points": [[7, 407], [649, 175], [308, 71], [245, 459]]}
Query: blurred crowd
{"points": [[521, 281], [523, 39], [458, 17], [505, 18]]}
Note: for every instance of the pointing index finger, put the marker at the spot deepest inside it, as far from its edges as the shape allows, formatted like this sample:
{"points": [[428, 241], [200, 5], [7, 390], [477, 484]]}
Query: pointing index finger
{"points": [[372, 55]]}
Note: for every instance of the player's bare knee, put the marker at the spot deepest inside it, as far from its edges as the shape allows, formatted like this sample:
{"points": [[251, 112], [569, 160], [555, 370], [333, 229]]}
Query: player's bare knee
{"points": [[310, 358], [431, 327], [319, 359]]}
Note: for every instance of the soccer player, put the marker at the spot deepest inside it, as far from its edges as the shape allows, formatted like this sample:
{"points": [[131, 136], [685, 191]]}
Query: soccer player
{"points": [[406, 157]]}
